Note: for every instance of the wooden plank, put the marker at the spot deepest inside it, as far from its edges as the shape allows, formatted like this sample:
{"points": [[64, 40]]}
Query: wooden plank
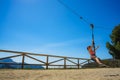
{"points": [[62, 65], [56, 61], [65, 63], [83, 62], [23, 58], [11, 63], [35, 59], [17, 52], [47, 60], [78, 63], [71, 61], [9, 51], [9, 57]]}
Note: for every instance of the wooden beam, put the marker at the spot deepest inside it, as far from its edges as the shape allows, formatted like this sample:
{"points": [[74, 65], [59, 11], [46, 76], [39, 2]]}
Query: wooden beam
{"points": [[71, 61], [9, 57], [23, 59], [35, 59], [56, 61], [47, 60], [17, 52], [84, 62], [78, 63], [65, 63]]}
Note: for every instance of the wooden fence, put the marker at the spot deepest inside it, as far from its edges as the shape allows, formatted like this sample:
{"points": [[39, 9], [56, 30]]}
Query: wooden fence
{"points": [[78, 63]]}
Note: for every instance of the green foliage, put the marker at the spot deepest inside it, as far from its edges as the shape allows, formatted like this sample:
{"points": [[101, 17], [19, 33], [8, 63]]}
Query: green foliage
{"points": [[114, 46]]}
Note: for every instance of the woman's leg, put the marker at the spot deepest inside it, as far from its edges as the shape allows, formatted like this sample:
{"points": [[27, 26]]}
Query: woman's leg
{"points": [[98, 61]]}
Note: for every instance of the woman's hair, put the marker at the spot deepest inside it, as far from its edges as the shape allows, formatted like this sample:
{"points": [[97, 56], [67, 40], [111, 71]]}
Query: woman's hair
{"points": [[88, 47]]}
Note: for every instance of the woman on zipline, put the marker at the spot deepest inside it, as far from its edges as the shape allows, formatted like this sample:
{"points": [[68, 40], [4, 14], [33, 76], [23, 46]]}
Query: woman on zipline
{"points": [[94, 57]]}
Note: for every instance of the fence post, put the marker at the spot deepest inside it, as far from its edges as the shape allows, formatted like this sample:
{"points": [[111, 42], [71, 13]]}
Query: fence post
{"points": [[47, 59], [23, 59], [88, 61], [64, 62], [78, 64]]}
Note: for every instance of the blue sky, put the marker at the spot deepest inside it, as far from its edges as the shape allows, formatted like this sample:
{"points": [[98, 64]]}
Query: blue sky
{"points": [[48, 27]]}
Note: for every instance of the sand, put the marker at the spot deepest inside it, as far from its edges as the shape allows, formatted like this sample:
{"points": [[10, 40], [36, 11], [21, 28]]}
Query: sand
{"points": [[68, 74]]}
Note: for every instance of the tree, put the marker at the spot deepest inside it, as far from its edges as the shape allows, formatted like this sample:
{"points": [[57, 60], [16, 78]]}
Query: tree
{"points": [[114, 45]]}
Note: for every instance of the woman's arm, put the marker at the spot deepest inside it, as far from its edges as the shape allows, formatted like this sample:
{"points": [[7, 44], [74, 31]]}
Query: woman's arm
{"points": [[96, 47]]}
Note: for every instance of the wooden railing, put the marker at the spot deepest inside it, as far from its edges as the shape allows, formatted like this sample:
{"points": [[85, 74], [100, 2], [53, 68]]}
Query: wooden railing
{"points": [[77, 62]]}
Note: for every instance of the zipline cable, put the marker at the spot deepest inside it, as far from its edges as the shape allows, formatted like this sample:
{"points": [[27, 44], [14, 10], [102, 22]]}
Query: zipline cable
{"points": [[73, 11], [91, 25]]}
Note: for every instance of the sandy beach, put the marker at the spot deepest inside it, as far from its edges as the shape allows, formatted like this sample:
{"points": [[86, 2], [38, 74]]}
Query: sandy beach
{"points": [[68, 74]]}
